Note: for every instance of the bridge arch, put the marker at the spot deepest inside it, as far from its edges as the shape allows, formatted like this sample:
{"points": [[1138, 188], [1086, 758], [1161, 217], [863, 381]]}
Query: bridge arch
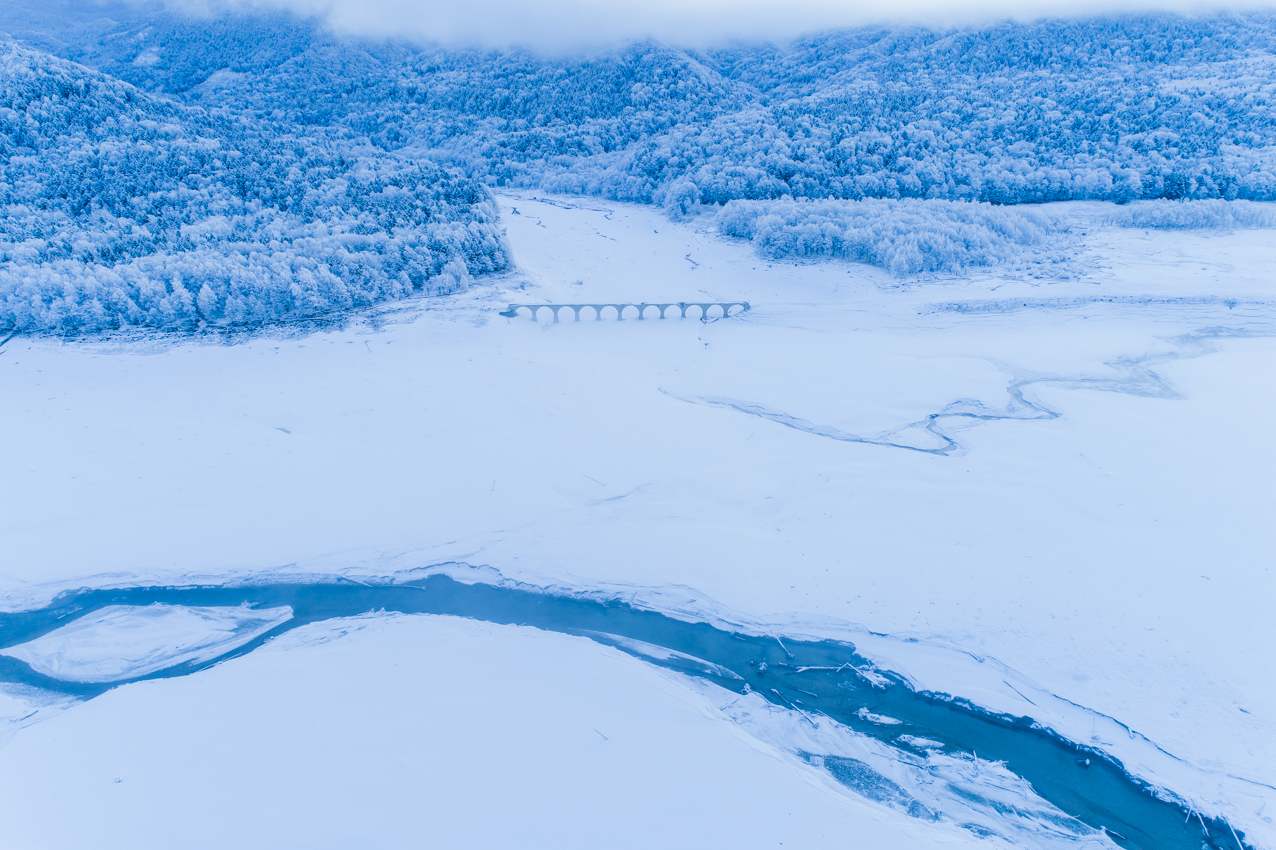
{"points": [[706, 309]]}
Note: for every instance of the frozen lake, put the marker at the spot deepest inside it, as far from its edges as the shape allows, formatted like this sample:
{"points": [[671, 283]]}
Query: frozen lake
{"points": [[822, 682], [1044, 492]]}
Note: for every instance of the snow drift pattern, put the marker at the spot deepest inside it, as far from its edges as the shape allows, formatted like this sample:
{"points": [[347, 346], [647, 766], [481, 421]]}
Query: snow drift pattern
{"points": [[904, 237], [120, 209]]}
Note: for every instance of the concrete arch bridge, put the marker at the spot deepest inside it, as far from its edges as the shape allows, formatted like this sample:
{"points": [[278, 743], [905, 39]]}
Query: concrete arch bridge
{"points": [[707, 310]]}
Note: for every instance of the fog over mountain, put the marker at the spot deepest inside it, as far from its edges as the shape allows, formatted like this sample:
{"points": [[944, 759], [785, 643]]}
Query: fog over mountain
{"points": [[559, 26]]}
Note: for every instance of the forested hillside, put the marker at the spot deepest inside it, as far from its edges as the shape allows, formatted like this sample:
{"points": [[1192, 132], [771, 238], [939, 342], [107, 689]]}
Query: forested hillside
{"points": [[118, 208], [248, 167], [1117, 108]]}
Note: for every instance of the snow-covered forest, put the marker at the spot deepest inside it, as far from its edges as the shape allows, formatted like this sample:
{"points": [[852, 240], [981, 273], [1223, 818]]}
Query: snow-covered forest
{"points": [[904, 237], [1116, 108], [264, 167], [118, 208]]}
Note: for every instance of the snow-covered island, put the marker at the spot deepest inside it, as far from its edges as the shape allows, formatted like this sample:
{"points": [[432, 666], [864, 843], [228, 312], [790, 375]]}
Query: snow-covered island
{"points": [[959, 536]]}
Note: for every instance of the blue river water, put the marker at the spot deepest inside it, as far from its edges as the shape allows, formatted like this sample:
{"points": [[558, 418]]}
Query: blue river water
{"points": [[817, 676]]}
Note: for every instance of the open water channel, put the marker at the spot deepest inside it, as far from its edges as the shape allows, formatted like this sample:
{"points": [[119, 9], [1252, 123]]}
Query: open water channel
{"points": [[817, 677]]}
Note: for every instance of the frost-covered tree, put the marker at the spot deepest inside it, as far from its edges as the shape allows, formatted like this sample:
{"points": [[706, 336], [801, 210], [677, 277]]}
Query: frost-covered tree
{"points": [[296, 177], [118, 208], [1114, 108]]}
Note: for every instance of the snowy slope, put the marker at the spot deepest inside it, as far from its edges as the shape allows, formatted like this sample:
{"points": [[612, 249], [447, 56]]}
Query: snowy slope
{"points": [[1062, 474]]}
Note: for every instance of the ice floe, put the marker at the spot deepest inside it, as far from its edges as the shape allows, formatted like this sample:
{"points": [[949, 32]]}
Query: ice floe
{"points": [[127, 641]]}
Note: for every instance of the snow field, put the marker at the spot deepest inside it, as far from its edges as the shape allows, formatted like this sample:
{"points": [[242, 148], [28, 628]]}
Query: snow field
{"points": [[1115, 556], [433, 730]]}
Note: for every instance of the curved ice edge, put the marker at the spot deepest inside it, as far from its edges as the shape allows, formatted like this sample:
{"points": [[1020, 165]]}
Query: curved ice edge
{"points": [[961, 791], [672, 657], [957, 789], [928, 665], [932, 666]]}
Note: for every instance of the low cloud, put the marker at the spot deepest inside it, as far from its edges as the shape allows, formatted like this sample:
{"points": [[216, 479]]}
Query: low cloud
{"points": [[573, 24]]}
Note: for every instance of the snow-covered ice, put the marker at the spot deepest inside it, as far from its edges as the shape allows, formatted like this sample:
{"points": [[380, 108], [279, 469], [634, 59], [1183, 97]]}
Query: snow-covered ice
{"points": [[24, 705], [127, 641], [1094, 536], [430, 729]]}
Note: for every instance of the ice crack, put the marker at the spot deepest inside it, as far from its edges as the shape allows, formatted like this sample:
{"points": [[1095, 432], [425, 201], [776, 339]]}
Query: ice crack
{"points": [[929, 435]]}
